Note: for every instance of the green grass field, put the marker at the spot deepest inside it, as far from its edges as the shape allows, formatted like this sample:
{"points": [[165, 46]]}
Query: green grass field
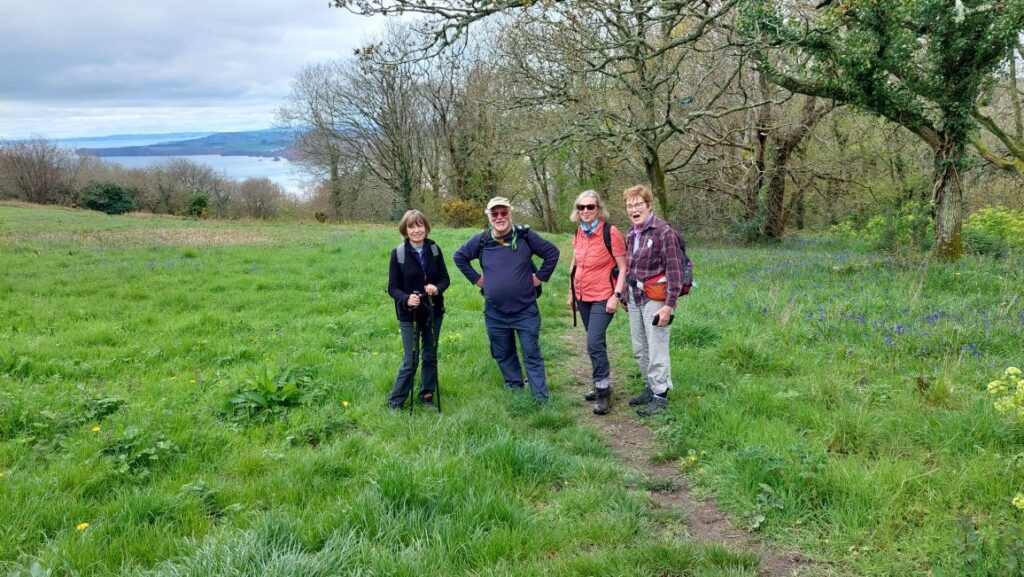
{"points": [[209, 398]]}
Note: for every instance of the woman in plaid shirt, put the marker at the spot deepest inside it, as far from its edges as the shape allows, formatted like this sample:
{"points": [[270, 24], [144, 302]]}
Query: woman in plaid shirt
{"points": [[653, 256]]}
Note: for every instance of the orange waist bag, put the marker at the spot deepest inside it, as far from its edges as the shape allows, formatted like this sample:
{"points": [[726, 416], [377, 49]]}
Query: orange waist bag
{"points": [[656, 288]]}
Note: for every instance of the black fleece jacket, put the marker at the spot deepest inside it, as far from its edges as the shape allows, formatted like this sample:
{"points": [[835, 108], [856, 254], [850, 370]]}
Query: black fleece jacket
{"points": [[407, 279]]}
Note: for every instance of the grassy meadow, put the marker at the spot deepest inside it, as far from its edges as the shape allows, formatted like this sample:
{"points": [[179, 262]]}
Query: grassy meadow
{"points": [[208, 398]]}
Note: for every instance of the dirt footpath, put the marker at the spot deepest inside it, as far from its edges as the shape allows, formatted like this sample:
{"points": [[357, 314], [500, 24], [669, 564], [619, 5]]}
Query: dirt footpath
{"points": [[634, 442]]}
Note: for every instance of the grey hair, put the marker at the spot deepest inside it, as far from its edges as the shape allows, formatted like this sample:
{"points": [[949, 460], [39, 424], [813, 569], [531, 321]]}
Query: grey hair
{"points": [[602, 212]]}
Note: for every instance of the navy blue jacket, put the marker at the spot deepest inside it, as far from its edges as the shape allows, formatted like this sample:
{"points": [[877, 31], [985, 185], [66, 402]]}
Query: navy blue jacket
{"points": [[403, 281], [508, 273]]}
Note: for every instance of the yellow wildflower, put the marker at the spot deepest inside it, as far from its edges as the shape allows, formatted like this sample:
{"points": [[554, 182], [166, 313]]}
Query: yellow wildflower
{"points": [[95, 429], [1018, 501], [174, 378], [82, 526], [344, 404]]}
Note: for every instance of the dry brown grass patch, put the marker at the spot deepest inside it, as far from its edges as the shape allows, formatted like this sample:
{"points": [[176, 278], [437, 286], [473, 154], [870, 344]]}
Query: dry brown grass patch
{"points": [[159, 237]]}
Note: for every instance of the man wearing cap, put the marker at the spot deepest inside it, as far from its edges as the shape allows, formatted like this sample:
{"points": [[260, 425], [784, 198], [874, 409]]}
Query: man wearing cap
{"points": [[510, 284]]}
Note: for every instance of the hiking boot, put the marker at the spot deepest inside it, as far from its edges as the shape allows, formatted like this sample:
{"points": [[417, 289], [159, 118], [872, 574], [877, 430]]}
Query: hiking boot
{"points": [[427, 401], [591, 395], [604, 401], [645, 396], [657, 405]]}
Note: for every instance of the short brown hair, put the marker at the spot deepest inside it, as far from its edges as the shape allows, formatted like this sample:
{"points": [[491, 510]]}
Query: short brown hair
{"points": [[639, 191], [412, 217]]}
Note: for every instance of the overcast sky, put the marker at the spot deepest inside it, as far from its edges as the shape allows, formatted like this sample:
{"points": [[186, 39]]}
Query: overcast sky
{"points": [[102, 67]]}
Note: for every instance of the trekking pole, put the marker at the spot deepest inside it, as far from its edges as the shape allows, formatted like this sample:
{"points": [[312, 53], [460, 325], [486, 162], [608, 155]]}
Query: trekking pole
{"points": [[572, 292], [416, 327], [430, 329]]}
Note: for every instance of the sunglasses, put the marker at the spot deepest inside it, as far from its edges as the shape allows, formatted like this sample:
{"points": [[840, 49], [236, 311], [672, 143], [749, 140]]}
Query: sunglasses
{"points": [[586, 207], [499, 213]]}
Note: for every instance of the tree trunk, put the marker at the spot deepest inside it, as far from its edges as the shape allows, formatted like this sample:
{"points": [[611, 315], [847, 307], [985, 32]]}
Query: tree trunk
{"points": [[775, 217], [656, 175], [762, 128], [947, 199], [757, 180], [337, 200], [540, 174], [775, 224], [1018, 123]]}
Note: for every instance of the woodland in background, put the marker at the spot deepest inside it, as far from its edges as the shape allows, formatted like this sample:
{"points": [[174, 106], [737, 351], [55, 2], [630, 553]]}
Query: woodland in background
{"points": [[747, 119]]}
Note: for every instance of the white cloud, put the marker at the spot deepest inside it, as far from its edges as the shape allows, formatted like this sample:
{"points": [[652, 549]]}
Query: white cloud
{"points": [[119, 66]]}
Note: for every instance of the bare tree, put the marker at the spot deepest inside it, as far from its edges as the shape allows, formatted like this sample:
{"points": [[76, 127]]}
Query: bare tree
{"points": [[310, 115], [258, 198], [36, 170], [176, 180]]}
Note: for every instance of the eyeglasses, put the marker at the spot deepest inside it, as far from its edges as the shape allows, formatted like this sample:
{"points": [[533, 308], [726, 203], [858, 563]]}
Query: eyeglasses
{"points": [[582, 207], [636, 206], [499, 213]]}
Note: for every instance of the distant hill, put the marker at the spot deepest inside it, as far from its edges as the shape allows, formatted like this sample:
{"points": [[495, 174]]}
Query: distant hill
{"points": [[104, 141], [270, 142]]}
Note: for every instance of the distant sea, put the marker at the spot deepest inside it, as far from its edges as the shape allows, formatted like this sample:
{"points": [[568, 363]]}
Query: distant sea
{"points": [[236, 167]]}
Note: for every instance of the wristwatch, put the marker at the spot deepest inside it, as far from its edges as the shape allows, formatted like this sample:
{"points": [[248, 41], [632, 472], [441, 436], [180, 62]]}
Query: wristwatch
{"points": [[617, 295]]}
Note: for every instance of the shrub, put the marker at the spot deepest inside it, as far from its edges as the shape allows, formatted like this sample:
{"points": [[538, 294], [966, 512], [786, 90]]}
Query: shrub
{"points": [[198, 205], [463, 213], [906, 227], [1002, 223], [982, 242], [108, 197], [845, 230]]}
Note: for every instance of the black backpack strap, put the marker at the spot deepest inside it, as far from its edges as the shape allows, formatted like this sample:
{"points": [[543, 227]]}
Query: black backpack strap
{"points": [[606, 232], [523, 233], [483, 242]]}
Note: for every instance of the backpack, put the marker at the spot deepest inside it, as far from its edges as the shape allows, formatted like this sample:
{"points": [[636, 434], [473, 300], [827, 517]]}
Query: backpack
{"points": [[686, 266]]}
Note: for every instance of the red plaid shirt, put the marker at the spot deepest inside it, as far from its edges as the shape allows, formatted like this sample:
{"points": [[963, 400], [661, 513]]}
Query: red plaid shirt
{"points": [[652, 251]]}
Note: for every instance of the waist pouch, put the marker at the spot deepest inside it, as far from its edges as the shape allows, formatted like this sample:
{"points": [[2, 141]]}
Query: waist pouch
{"points": [[656, 288]]}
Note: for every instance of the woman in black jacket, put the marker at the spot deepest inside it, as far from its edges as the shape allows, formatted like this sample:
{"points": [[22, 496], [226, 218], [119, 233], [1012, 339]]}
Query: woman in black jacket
{"points": [[417, 280]]}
